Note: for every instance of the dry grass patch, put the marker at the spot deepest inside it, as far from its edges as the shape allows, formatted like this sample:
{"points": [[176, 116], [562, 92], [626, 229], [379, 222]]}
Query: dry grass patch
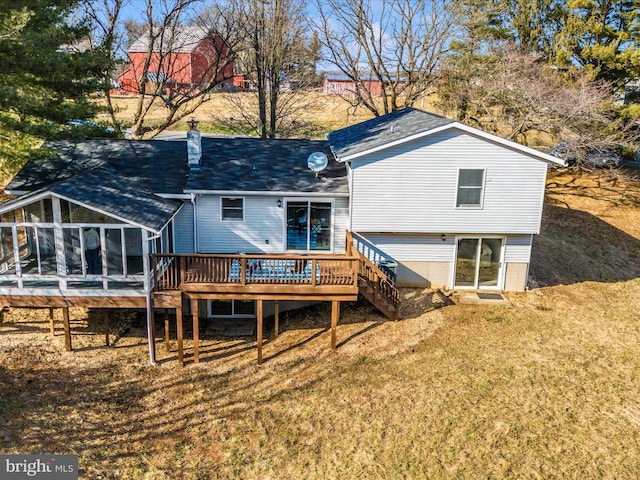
{"points": [[546, 387], [324, 114], [590, 230]]}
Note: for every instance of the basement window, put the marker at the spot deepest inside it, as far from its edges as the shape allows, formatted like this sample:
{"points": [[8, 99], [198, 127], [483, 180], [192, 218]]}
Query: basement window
{"points": [[232, 308], [232, 209]]}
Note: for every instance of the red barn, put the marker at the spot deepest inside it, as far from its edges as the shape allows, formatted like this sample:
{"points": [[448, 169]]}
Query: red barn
{"points": [[341, 85], [188, 59]]}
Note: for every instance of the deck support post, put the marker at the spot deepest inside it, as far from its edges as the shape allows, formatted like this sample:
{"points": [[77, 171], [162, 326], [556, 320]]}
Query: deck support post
{"points": [[335, 313], [67, 329], [180, 336], [52, 327], [276, 327], [107, 326], [259, 330], [151, 331], [196, 332], [167, 344]]}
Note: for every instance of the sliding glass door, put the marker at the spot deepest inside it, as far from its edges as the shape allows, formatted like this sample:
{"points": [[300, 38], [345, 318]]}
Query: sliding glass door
{"points": [[308, 225], [478, 263]]}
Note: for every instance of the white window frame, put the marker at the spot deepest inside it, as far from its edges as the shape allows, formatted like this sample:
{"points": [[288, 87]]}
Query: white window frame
{"points": [[309, 200], [222, 209], [503, 264], [458, 187]]}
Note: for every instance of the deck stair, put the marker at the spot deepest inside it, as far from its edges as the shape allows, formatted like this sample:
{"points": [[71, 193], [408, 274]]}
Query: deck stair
{"points": [[376, 285]]}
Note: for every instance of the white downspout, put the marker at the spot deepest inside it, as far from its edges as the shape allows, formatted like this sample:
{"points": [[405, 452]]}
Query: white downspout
{"points": [[150, 337], [195, 222], [148, 288]]}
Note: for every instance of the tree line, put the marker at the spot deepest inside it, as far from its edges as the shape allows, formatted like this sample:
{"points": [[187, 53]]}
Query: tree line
{"points": [[521, 68]]}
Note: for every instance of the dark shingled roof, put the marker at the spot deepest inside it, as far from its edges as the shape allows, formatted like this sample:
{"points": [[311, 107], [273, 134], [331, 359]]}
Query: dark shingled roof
{"points": [[119, 177], [105, 189], [122, 178], [158, 166], [265, 165], [382, 130]]}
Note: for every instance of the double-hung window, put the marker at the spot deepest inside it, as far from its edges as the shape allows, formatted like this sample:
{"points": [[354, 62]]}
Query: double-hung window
{"points": [[232, 209], [470, 187]]}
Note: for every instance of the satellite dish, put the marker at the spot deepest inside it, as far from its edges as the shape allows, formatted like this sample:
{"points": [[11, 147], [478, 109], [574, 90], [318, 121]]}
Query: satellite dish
{"points": [[317, 162]]}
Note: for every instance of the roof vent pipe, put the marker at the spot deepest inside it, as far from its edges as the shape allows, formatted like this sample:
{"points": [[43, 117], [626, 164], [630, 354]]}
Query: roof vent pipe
{"points": [[194, 145]]}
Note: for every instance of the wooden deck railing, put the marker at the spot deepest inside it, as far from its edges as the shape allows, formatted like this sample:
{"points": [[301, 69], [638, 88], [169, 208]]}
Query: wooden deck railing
{"points": [[372, 253], [384, 291], [171, 271], [378, 280]]}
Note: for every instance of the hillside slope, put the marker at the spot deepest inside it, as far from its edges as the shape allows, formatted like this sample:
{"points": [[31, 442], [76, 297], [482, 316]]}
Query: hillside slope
{"points": [[590, 230], [546, 387]]}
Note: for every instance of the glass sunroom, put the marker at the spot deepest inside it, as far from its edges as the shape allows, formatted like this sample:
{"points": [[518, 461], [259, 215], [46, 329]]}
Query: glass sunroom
{"points": [[46, 248]]}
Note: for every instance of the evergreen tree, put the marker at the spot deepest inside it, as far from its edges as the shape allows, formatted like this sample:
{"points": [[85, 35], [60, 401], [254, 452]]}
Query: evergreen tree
{"points": [[464, 68], [44, 80], [534, 24], [604, 36]]}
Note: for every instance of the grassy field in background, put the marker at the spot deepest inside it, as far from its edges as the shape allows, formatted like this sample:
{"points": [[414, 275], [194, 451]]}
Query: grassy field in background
{"points": [[546, 387], [217, 115], [320, 115]]}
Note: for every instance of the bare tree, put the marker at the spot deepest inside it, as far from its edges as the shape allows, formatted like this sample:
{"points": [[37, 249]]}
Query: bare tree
{"points": [[276, 62], [105, 17], [157, 77], [394, 43], [164, 38], [134, 30], [514, 94]]}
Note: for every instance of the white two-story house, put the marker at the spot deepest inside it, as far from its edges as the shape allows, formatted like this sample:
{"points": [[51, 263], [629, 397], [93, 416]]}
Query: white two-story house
{"points": [[245, 226]]}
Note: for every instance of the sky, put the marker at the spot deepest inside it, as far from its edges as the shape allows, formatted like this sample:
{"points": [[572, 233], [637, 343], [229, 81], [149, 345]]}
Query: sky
{"points": [[133, 8]]}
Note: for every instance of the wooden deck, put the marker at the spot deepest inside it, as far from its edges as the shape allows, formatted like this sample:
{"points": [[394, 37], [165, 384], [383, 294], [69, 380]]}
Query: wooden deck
{"points": [[177, 280], [257, 277], [193, 277]]}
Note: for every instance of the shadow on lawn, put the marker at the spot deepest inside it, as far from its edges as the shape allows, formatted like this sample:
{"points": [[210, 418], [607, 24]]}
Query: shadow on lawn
{"points": [[575, 246], [116, 418], [88, 328], [87, 325], [315, 317]]}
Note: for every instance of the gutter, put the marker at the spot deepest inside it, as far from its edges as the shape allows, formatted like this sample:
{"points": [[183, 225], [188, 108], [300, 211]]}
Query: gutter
{"points": [[254, 193]]}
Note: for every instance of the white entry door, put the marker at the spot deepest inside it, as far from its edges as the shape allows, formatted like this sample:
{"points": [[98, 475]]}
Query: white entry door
{"points": [[478, 263]]}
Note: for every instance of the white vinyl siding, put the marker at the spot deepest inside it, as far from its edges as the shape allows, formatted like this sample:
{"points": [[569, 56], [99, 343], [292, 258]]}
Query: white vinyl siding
{"points": [[414, 248], [518, 249], [412, 188], [431, 248], [340, 224], [183, 229], [263, 220]]}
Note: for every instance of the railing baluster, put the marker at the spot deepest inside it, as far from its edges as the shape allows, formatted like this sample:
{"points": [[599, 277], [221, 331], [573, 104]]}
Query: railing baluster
{"points": [[314, 264], [170, 271]]}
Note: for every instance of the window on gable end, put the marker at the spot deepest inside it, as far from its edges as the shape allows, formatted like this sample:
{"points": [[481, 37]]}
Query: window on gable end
{"points": [[232, 209], [470, 187]]}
